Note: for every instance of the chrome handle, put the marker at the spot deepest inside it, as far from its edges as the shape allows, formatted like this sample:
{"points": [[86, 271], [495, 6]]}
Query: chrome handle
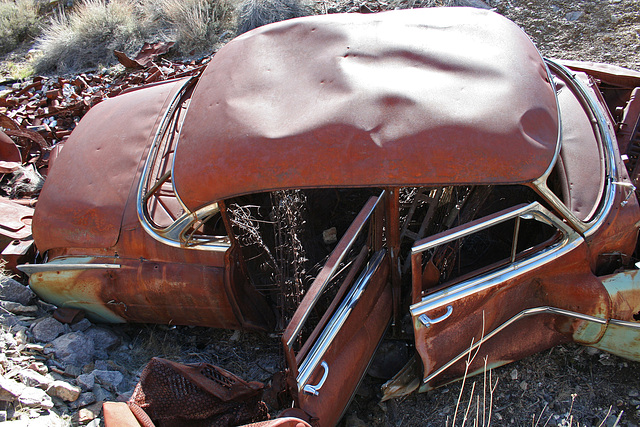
{"points": [[427, 321], [313, 389]]}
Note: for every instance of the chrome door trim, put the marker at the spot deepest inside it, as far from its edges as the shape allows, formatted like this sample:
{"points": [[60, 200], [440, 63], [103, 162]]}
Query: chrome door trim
{"points": [[569, 241], [322, 344], [332, 272], [30, 269], [524, 313]]}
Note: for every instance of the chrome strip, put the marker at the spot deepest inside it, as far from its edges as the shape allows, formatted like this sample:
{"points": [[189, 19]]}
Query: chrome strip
{"points": [[332, 272], [605, 137], [172, 235], [329, 333], [522, 314], [535, 209], [624, 323], [570, 241], [29, 269]]}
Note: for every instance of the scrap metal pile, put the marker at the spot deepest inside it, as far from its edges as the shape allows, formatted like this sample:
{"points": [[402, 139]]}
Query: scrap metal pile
{"points": [[38, 115]]}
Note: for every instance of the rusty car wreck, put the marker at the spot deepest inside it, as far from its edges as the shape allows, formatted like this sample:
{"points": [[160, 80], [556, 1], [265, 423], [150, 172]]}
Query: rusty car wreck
{"points": [[328, 177]]}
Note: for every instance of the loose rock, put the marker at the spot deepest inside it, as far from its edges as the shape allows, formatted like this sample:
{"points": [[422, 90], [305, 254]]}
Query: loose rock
{"points": [[35, 397], [81, 326], [10, 390], [47, 330], [83, 400], [19, 309], [90, 412], [103, 339], [33, 379], [109, 379], [64, 391], [73, 348], [86, 381], [14, 291]]}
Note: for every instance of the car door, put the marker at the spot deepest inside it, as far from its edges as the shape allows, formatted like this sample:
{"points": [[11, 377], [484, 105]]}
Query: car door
{"points": [[534, 289], [330, 341]]}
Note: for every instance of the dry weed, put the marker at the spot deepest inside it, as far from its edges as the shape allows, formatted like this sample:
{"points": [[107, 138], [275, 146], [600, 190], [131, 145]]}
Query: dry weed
{"points": [[256, 13], [195, 25], [86, 37], [19, 22]]}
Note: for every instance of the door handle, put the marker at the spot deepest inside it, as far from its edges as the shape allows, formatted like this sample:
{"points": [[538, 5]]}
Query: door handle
{"points": [[314, 389], [427, 321]]}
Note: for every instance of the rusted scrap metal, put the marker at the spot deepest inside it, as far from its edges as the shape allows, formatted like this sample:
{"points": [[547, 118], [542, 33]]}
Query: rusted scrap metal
{"points": [[10, 158], [147, 55], [48, 109], [15, 219], [171, 393], [18, 252]]}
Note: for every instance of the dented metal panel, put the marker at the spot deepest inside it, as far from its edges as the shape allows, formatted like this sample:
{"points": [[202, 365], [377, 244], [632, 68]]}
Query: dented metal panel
{"points": [[83, 200], [377, 97], [119, 290]]}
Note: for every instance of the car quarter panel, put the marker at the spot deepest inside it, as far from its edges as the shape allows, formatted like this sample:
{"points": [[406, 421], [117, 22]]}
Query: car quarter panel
{"points": [[83, 200]]}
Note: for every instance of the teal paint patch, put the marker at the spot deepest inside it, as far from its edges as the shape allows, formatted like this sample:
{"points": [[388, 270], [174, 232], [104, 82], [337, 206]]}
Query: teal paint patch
{"points": [[621, 341]]}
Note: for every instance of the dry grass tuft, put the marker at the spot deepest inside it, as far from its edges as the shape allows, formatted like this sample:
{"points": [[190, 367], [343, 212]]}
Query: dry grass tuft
{"points": [[19, 22], [256, 13], [195, 25], [86, 37]]}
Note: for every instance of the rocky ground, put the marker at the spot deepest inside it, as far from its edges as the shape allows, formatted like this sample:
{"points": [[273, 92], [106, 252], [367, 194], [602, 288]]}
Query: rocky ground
{"points": [[53, 373]]}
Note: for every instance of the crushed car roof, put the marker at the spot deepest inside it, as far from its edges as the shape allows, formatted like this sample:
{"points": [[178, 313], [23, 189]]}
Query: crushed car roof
{"points": [[429, 96]]}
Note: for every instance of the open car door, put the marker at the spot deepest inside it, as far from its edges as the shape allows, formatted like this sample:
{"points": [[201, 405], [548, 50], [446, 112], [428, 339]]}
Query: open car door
{"points": [[523, 284], [342, 318]]}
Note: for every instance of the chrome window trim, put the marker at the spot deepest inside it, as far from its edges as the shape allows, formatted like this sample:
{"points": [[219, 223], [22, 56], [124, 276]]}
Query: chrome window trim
{"points": [[322, 344], [569, 241], [174, 235], [604, 135], [332, 272]]}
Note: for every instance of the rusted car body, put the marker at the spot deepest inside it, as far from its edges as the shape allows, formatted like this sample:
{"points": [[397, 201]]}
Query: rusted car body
{"points": [[327, 177]]}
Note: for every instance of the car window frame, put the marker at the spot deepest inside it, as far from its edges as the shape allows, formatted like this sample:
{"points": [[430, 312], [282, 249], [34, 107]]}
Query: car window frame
{"points": [[605, 136]]}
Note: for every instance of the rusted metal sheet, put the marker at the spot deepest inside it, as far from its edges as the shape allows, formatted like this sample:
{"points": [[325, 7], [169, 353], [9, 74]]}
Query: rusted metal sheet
{"points": [[606, 72], [84, 197], [18, 252], [320, 91], [553, 296], [15, 219], [118, 414], [10, 157], [119, 290]]}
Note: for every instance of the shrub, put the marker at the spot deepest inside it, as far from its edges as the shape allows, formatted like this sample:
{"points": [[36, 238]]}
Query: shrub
{"points": [[19, 22], [195, 25], [256, 13], [86, 37]]}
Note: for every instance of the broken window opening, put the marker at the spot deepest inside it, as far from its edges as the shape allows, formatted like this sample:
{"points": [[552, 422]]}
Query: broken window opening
{"points": [[286, 237]]}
